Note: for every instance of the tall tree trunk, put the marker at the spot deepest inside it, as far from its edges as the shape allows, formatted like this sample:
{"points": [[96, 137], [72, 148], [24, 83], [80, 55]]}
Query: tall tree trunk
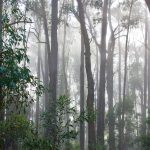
{"points": [[1, 59], [90, 96], [101, 98], [148, 75], [111, 117], [38, 76], [125, 78], [82, 124], [145, 79], [64, 84], [46, 29], [53, 71], [46, 80], [47, 53], [119, 95]]}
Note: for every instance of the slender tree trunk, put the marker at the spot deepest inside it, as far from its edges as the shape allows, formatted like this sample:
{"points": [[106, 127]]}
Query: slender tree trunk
{"points": [[1, 43], [64, 83], [142, 112], [145, 80], [46, 80], [46, 29], [82, 123], [47, 54], [148, 75], [38, 76], [125, 78], [111, 116], [101, 98], [2, 146], [90, 97], [110, 61], [51, 132], [119, 89]]}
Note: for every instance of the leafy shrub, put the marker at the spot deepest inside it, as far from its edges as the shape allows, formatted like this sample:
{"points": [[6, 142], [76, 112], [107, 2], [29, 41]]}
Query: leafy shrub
{"points": [[65, 129], [15, 128]]}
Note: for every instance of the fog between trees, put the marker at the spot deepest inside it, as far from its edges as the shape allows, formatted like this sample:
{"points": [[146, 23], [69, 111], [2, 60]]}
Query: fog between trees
{"points": [[74, 74]]}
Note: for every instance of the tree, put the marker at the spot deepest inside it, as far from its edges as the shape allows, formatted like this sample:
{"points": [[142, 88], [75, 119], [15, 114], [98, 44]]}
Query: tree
{"points": [[145, 79], [125, 77], [82, 123], [101, 98], [38, 76], [47, 52], [53, 71], [1, 59], [110, 83], [148, 4], [90, 96]]}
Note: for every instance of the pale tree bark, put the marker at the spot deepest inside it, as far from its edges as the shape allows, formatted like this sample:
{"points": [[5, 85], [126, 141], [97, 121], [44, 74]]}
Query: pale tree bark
{"points": [[119, 94], [148, 4], [125, 78], [110, 61], [38, 76], [148, 73], [46, 79], [145, 78], [119, 86], [101, 98], [90, 96], [82, 122], [46, 28], [47, 53], [64, 84]]}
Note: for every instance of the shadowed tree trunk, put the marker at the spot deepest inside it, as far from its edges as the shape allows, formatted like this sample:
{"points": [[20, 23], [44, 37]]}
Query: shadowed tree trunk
{"points": [[82, 124], [1, 59], [53, 72], [64, 82], [125, 78], [148, 4], [148, 74], [145, 80], [90, 96], [119, 96], [47, 53], [101, 98], [1, 42], [110, 61], [38, 76]]}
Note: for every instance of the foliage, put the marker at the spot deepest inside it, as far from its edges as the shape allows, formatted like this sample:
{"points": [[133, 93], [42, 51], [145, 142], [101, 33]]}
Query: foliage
{"points": [[15, 128], [134, 18], [144, 139], [15, 75], [65, 128], [88, 115]]}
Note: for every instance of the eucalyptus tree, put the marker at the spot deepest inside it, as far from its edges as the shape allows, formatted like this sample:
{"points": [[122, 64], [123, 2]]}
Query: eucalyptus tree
{"points": [[110, 82], [125, 76], [101, 98], [90, 96], [50, 130], [1, 43]]}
